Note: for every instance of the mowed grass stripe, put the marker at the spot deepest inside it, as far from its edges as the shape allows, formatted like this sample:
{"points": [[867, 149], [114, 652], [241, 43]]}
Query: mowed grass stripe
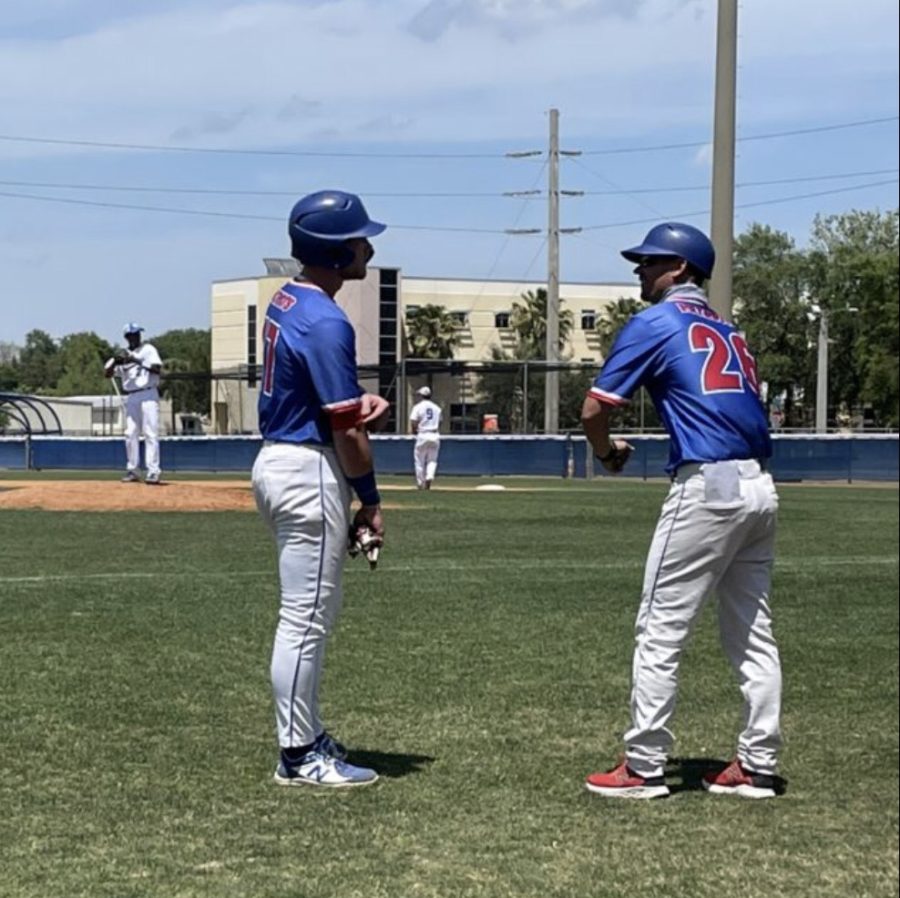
{"points": [[458, 567]]}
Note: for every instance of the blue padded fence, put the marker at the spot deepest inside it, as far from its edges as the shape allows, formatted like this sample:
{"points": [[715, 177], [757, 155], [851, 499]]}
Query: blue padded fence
{"points": [[796, 457]]}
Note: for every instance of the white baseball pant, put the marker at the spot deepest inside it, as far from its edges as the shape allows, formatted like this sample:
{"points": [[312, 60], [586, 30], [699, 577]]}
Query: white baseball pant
{"points": [[715, 536], [142, 417], [304, 498], [425, 456]]}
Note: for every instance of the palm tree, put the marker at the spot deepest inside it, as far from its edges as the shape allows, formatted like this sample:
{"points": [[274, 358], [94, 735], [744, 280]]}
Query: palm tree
{"points": [[529, 321], [640, 412], [431, 333], [612, 318]]}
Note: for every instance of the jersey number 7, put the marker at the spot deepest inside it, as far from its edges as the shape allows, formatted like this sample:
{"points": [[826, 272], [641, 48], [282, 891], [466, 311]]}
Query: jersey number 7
{"points": [[720, 352], [271, 333]]}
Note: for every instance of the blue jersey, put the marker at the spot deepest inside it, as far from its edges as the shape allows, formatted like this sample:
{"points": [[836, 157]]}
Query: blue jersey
{"points": [[309, 366], [700, 374]]}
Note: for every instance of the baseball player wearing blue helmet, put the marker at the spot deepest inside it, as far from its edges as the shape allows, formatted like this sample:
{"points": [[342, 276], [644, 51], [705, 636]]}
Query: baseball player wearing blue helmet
{"points": [[716, 532], [314, 417]]}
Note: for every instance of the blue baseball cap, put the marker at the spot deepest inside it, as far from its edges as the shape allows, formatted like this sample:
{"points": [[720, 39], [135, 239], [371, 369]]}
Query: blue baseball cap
{"points": [[131, 328]]}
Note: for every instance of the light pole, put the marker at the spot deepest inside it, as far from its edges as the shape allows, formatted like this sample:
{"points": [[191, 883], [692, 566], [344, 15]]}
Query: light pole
{"points": [[822, 374], [722, 221], [822, 367]]}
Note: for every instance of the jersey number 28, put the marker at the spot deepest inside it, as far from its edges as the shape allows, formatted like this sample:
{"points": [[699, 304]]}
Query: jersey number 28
{"points": [[718, 376]]}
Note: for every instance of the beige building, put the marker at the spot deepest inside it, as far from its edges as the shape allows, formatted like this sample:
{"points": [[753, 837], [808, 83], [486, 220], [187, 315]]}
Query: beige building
{"points": [[377, 307]]}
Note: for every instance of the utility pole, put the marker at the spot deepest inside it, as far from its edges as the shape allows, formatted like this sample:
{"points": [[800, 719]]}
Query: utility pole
{"points": [[722, 224], [551, 377], [551, 348]]}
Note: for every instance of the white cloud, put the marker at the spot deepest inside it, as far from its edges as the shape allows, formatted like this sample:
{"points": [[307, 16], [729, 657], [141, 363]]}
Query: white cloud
{"points": [[237, 72], [240, 71], [513, 18], [704, 156]]}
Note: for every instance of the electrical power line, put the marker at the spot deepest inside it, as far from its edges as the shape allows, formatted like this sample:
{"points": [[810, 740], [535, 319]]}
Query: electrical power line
{"points": [[771, 202], [742, 184], [209, 213], [213, 191], [402, 227], [771, 135], [119, 145], [161, 148]]}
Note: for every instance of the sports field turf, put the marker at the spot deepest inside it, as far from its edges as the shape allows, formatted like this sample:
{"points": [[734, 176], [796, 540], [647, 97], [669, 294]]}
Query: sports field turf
{"points": [[483, 669]]}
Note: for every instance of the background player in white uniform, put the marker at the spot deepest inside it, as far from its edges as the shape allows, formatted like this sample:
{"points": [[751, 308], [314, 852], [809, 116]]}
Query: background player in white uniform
{"points": [[425, 423], [313, 416], [138, 369], [716, 532]]}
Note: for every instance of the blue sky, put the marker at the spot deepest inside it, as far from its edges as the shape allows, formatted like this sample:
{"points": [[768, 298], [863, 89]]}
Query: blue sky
{"points": [[400, 100]]}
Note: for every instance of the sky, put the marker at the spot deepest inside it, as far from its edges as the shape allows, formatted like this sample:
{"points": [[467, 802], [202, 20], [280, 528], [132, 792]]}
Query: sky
{"points": [[113, 114]]}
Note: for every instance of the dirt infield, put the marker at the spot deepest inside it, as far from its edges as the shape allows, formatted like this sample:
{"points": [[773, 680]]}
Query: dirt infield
{"points": [[100, 495]]}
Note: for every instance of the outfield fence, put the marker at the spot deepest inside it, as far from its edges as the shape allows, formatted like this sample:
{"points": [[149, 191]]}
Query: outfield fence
{"points": [[796, 457]]}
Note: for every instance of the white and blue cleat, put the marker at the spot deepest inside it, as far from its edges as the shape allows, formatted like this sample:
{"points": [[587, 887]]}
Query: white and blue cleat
{"points": [[317, 768]]}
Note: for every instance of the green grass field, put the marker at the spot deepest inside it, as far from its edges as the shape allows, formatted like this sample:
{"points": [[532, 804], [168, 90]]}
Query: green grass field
{"points": [[483, 669]]}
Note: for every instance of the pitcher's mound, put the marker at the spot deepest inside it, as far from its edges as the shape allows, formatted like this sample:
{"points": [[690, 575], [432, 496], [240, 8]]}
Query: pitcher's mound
{"points": [[102, 495]]}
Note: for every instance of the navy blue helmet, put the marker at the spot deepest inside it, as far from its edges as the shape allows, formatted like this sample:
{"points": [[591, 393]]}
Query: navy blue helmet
{"points": [[322, 222], [675, 239]]}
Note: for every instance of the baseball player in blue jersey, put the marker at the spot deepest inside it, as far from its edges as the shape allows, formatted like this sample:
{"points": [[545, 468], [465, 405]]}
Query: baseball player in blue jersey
{"points": [[314, 416], [716, 532]]}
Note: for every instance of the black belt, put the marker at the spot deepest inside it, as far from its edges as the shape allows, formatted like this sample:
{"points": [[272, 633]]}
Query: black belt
{"points": [[141, 390]]}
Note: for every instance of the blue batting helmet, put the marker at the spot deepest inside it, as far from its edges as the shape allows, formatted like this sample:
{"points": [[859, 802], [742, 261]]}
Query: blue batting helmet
{"points": [[320, 224], [674, 239]]}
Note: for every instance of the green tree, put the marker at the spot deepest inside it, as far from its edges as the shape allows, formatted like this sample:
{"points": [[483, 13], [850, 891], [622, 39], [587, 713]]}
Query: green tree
{"points": [[81, 358], [771, 306], [9, 375], [854, 265], [612, 318], [528, 319], [38, 365], [431, 333], [185, 355]]}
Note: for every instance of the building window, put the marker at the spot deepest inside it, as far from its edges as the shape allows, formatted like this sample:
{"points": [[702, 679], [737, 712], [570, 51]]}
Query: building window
{"points": [[588, 320], [501, 320], [460, 319], [251, 346], [465, 417]]}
